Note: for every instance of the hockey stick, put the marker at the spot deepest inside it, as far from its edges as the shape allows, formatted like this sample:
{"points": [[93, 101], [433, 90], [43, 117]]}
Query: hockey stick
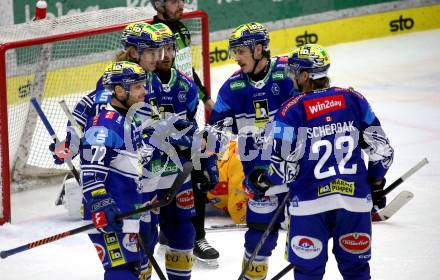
{"points": [[180, 179], [71, 118], [405, 176], [56, 141], [391, 208], [382, 215], [78, 131], [283, 272], [151, 258], [265, 235]]}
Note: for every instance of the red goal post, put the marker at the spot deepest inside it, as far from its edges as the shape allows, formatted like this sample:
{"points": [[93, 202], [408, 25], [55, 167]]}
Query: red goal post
{"points": [[56, 59]]}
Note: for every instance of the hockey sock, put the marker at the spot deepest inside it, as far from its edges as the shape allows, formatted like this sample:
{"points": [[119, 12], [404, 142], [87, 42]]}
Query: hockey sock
{"points": [[146, 271], [178, 264], [257, 269]]}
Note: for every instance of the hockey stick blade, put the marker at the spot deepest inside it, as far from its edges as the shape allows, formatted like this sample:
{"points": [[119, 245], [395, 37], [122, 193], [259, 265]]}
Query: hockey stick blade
{"points": [[398, 202], [227, 227], [175, 187]]}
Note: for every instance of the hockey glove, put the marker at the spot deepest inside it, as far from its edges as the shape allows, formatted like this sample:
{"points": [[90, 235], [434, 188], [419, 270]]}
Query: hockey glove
{"points": [[207, 178], [377, 192], [256, 184], [104, 212], [60, 152], [200, 180], [212, 169]]}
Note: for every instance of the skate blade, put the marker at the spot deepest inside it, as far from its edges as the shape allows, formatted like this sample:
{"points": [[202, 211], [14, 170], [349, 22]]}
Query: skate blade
{"points": [[211, 264]]}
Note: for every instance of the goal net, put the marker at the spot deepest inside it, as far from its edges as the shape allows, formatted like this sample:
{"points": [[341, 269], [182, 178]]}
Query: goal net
{"points": [[57, 59]]}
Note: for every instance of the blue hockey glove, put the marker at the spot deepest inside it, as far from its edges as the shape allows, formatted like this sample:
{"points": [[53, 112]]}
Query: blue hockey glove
{"points": [[377, 192], [212, 169], [104, 212], [256, 184], [60, 152]]}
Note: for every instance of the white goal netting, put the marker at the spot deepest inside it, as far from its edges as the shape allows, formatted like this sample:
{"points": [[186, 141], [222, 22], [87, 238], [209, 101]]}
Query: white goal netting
{"points": [[57, 59]]}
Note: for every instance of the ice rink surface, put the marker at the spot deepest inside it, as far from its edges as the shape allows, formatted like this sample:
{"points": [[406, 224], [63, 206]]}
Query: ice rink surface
{"points": [[399, 75]]}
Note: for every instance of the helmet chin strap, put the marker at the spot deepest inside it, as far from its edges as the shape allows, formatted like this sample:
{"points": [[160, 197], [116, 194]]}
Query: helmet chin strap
{"points": [[255, 64], [256, 61]]}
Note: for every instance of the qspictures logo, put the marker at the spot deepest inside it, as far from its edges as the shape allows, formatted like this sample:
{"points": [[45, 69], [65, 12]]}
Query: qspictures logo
{"points": [[401, 24]]}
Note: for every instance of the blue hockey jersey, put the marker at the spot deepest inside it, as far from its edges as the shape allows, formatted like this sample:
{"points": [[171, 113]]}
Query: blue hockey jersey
{"points": [[107, 162], [178, 96], [318, 140], [253, 105], [178, 99]]}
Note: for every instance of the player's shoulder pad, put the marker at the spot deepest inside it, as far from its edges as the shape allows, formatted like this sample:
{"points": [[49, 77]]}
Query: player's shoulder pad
{"points": [[289, 104], [278, 68], [156, 84], [237, 81], [185, 82], [103, 97], [349, 90], [86, 101], [106, 129]]}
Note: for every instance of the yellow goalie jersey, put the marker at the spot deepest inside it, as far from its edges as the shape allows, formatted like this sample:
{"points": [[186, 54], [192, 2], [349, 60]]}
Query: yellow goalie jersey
{"points": [[229, 194]]}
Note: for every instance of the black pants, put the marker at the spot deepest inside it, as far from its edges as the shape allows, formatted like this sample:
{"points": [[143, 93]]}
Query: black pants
{"points": [[198, 220]]}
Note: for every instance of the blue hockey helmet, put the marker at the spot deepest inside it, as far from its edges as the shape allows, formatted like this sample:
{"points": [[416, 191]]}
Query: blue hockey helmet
{"points": [[249, 35], [123, 73], [311, 58], [167, 36], [142, 36]]}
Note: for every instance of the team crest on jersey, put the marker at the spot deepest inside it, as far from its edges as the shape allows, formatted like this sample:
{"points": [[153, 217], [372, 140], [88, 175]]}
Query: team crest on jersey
{"points": [[166, 109], [275, 89], [261, 113], [181, 96]]}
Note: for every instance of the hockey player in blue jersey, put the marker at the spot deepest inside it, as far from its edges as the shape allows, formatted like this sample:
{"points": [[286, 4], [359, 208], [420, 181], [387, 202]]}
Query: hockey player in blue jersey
{"points": [[318, 139], [141, 44], [177, 103], [251, 97], [110, 179], [205, 178]]}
